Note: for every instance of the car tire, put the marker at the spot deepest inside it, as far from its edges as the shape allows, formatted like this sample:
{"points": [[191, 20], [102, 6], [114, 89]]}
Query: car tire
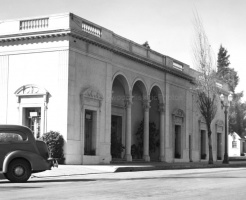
{"points": [[5, 175], [19, 171]]}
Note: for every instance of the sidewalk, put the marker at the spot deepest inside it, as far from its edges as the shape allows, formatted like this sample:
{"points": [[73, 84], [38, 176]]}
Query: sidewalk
{"points": [[69, 170]]}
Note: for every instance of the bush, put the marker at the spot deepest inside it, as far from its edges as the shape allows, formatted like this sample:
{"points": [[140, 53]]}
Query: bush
{"points": [[116, 146], [177, 155], [137, 149], [55, 144], [203, 156]]}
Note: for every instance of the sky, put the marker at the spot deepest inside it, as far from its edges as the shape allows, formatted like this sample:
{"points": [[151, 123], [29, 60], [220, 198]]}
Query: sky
{"points": [[165, 24]]}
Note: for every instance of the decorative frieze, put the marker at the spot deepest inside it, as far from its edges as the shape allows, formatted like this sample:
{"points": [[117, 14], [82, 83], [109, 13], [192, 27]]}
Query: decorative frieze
{"points": [[178, 116], [202, 123], [91, 96], [219, 126]]}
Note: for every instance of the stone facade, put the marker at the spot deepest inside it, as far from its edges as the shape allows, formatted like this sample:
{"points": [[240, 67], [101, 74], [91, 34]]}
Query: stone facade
{"points": [[66, 74]]}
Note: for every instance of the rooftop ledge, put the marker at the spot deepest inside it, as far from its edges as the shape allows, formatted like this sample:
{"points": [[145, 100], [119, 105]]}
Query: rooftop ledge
{"points": [[68, 22]]}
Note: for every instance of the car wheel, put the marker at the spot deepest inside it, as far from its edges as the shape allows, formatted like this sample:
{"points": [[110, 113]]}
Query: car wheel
{"points": [[19, 171]]}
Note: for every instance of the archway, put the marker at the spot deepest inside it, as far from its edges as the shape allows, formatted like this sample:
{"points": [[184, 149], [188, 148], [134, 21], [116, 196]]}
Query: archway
{"points": [[120, 94], [155, 113], [140, 104]]}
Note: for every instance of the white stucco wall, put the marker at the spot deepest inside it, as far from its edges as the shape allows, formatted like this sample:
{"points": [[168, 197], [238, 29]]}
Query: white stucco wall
{"points": [[234, 151]]}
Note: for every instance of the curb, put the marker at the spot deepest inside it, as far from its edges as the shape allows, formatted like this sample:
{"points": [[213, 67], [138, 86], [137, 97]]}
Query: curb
{"points": [[176, 167]]}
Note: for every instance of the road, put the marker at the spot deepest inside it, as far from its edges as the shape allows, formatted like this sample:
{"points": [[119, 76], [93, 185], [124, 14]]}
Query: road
{"points": [[223, 183]]}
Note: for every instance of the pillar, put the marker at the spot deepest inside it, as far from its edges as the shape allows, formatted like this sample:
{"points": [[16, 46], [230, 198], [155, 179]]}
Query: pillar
{"points": [[146, 131], [162, 132], [128, 130]]}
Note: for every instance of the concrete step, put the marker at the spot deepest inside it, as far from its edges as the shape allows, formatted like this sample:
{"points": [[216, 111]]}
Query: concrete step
{"points": [[237, 158]]}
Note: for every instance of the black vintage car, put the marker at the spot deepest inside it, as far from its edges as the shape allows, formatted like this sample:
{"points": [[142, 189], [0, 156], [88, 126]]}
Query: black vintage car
{"points": [[21, 155]]}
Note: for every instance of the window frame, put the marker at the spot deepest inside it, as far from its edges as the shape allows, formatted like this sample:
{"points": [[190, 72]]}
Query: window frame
{"points": [[21, 134]]}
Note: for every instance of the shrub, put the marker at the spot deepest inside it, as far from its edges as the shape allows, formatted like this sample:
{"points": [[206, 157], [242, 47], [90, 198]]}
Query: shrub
{"points": [[137, 149], [55, 144], [203, 156], [177, 155], [116, 146]]}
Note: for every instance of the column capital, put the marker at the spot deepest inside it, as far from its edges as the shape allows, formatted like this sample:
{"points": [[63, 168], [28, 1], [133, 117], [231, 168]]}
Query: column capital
{"points": [[128, 101], [146, 104], [161, 107]]}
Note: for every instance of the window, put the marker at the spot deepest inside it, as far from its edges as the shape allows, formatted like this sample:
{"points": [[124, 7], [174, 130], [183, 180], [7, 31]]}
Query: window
{"points": [[234, 144], [10, 137]]}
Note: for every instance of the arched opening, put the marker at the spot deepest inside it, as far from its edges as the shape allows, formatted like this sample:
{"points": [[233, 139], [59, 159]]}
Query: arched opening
{"points": [[120, 94], [139, 94], [156, 102]]}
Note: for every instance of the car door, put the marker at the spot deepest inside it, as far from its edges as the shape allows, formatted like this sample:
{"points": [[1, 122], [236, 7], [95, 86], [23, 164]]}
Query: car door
{"points": [[11, 140], [4, 147]]}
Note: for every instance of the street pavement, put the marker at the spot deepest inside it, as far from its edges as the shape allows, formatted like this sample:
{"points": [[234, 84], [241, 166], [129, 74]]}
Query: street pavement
{"points": [[187, 184], [70, 170]]}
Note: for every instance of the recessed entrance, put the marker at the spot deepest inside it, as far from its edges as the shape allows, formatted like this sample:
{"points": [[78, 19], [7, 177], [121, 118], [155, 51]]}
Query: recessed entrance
{"points": [[32, 119], [219, 144], [203, 145], [177, 142], [116, 136], [90, 132]]}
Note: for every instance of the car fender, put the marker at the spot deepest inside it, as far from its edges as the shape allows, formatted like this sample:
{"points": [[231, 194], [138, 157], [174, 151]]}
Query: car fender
{"points": [[37, 162]]}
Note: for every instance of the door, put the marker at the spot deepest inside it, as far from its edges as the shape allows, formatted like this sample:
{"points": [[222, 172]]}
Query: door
{"points": [[177, 142], [203, 145], [88, 133], [116, 136], [219, 146], [33, 120]]}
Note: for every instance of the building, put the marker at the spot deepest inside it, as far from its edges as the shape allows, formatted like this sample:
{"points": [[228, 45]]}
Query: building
{"points": [[236, 145], [67, 74]]}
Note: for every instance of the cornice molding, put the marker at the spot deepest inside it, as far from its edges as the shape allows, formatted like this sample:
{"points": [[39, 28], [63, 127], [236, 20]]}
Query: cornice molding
{"points": [[95, 41]]}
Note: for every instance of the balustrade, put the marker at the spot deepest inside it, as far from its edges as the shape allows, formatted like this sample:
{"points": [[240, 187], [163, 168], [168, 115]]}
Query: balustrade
{"points": [[34, 24], [91, 29]]}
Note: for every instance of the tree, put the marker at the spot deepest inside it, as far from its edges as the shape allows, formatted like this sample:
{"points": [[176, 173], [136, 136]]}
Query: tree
{"points": [[206, 90], [237, 117], [229, 75], [224, 72]]}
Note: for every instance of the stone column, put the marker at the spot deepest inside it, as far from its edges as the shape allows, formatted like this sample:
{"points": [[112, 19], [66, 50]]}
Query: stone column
{"points": [[128, 130], [168, 126], [146, 131], [162, 133]]}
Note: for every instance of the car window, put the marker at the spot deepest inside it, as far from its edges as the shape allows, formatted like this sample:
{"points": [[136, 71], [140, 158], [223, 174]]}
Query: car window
{"points": [[10, 137]]}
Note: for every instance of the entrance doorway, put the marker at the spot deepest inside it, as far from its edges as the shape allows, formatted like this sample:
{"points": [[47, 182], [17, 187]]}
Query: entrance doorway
{"points": [[32, 119], [177, 143], [203, 145], [219, 146], [90, 129], [116, 136]]}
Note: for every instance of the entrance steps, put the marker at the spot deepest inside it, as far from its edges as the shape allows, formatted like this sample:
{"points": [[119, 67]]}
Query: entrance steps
{"points": [[237, 158]]}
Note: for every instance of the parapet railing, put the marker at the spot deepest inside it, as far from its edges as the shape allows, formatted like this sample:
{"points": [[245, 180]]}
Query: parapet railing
{"points": [[34, 23], [91, 29]]}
